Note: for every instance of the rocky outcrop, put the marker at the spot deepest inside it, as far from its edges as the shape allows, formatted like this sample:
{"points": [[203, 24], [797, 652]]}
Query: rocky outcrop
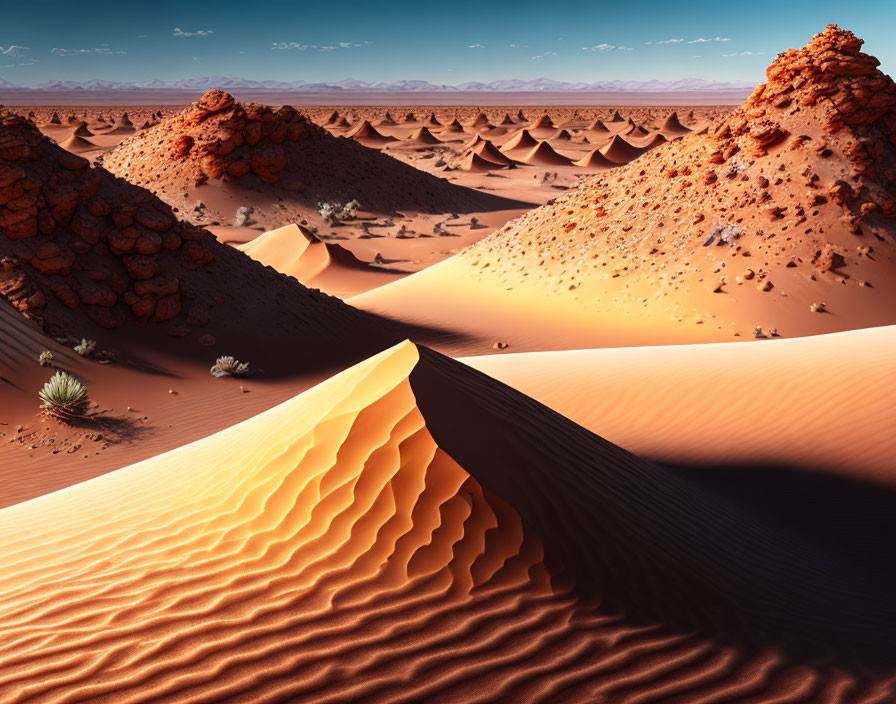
{"points": [[71, 234], [278, 151], [831, 83]]}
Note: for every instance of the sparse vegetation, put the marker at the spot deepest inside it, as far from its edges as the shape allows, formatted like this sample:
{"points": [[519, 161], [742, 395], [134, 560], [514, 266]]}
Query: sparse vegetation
{"points": [[86, 347], [333, 212], [46, 358], [243, 216], [63, 396], [724, 234], [229, 366]]}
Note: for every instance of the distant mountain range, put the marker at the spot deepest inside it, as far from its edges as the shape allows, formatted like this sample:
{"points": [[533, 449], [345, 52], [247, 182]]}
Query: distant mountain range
{"points": [[351, 85]]}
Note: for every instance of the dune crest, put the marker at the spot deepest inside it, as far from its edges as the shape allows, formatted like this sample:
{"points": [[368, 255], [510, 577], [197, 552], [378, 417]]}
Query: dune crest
{"points": [[365, 518]]}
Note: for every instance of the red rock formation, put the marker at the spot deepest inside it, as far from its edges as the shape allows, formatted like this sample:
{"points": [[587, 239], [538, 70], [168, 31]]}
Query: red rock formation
{"points": [[87, 237], [218, 139], [80, 248]]}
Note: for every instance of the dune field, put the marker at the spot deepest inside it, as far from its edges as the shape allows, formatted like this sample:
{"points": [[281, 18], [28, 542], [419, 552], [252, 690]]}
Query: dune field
{"points": [[462, 404]]}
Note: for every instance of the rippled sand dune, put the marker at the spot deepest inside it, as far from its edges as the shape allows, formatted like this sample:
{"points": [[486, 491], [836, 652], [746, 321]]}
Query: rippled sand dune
{"points": [[365, 541]]}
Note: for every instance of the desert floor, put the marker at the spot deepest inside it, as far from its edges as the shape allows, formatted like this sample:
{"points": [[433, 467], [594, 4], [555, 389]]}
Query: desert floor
{"points": [[554, 470]]}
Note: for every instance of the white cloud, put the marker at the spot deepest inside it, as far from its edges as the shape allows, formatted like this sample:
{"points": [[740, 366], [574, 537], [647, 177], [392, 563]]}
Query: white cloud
{"points": [[667, 41], [518, 46], [541, 56], [105, 50], [476, 46], [295, 46], [745, 53], [178, 32], [14, 50], [606, 47], [704, 40]]}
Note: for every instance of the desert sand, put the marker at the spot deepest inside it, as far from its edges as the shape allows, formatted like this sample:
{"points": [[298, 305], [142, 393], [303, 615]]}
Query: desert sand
{"points": [[360, 518], [776, 221], [543, 403]]}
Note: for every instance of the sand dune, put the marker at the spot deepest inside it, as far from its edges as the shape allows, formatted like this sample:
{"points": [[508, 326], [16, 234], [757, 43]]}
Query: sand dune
{"points": [[520, 140], [369, 136], [362, 542], [481, 120], [78, 144], [543, 154], [594, 160], [820, 404], [453, 127], [423, 136], [474, 162], [672, 125], [82, 131], [490, 152], [620, 151], [597, 125], [472, 142], [295, 251]]}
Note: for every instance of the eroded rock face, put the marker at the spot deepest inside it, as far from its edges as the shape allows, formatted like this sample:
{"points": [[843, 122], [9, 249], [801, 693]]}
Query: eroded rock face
{"points": [[71, 234], [833, 83]]}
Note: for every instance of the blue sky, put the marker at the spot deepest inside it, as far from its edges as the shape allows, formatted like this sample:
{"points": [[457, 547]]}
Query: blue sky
{"points": [[569, 40]]}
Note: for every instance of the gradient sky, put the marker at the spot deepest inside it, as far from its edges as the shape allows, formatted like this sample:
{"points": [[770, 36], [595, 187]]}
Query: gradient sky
{"points": [[569, 40]]}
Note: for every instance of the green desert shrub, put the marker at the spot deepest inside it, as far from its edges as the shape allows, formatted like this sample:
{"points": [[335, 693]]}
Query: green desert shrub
{"points": [[63, 396], [229, 366]]}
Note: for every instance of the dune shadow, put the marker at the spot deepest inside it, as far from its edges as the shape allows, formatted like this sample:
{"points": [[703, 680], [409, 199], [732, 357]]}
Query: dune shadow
{"points": [[847, 517], [741, 557]]}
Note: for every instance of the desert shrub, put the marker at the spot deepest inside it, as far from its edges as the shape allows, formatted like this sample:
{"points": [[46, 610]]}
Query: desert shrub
{"points": [[333, 212], [63, 396], [229, 366], [46, 358], [724, 234], [86, 347], [243, 216]]}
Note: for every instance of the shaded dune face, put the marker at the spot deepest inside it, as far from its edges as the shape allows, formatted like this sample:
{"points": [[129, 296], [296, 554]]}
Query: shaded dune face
{"points": [[348, 545]]}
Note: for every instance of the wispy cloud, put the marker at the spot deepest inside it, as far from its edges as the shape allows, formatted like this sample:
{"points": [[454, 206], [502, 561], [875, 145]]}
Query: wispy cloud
{"points": [[541, 56], [80, 52], [704, 40], [606, 47], [13, 52], [178, 32], [518, 46], [476, 46], [745, 53], [295, 46], [677, 40]]}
